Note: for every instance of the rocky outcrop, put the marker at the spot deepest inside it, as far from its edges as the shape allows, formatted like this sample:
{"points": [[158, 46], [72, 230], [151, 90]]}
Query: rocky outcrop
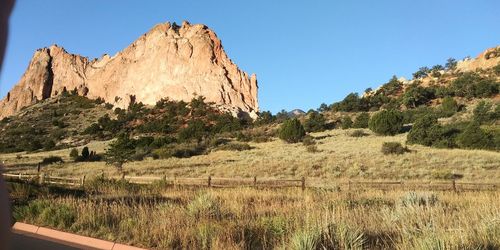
{"points": [[487, 59], [170, 61]]}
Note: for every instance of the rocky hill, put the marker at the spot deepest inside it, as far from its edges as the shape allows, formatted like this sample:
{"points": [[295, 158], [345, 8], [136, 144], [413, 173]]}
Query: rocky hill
{"points": [[169, 61]]}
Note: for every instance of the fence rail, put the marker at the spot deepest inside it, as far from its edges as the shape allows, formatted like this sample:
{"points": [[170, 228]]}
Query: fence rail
{"points": [[222, 182]]}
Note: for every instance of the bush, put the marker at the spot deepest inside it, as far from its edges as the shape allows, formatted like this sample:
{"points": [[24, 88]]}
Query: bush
{"points": [[291, 131], [358, 133], [474, 137], [449, 106], [73, 154], [416, 95], [413, 199], [393, 148], [52, 160], [49, 145], [346, 122], [205, 206], [312, 149], [483, 113], [179, 151], [315, 122], [425, 131], [234, 147], [386, 122], [85, 152], [196, 129], [361, 120], [308, 140]]}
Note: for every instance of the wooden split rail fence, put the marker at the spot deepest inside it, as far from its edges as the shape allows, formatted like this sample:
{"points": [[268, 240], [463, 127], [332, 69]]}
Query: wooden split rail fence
{"points": [[217, 182]]}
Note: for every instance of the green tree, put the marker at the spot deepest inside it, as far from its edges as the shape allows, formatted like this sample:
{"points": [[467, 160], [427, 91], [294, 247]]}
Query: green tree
{"points": [[425, 131], [291, 131], [451, 63], [315, 122], [265, 117], [85, 153], [481, 113], [421, 73], [120, 151], [386, 122], [474, 137], [362, 120], [196, 129], [416, 95]]}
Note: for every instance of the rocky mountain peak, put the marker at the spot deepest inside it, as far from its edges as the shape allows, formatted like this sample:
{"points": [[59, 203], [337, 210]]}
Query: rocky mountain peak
{"points": [[169, 61]]}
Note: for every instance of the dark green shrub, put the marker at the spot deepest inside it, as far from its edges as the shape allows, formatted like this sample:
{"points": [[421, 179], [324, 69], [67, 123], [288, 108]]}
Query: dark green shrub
{"points": [[308, 140], [265, 117], [73, 154], [483, 113], [226, 123], [486, 88], [85, 153], [49, 145], [421, 73], [416, 95], [361, 120], [346, 122], [475, 138], [108, 106], [93, 129], [386, 122], [358, 133], [315, 122], [196, 129], [312, 149], [184, 150], [233, 146], [393, 148], [291, 131], [393, 87], [52, 160], [425, 131], [449, 106]]}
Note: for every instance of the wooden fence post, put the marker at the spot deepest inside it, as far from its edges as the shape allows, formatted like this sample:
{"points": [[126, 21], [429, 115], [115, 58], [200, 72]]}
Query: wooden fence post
{"points": [[303, 183], [41, 179], [209, 181], [255, 181], [20, 176], [83, 181], [38, 168], [454, 185]]}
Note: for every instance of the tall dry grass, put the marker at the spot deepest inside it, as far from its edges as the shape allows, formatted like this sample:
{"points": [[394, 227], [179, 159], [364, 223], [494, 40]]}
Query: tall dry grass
{"points": [[247, 218], [338, 155]]}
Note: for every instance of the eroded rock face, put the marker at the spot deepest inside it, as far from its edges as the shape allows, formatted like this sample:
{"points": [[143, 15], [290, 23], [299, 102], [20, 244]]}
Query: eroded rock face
{"points": [[175, 62], [487, 59]]}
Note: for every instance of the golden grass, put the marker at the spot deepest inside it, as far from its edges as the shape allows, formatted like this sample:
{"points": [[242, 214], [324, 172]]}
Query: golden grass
{"points": [[340, 156], [246, 218]]}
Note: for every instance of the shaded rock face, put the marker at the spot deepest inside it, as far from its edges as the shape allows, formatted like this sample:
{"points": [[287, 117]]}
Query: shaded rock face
{"points": [[170, 61]]}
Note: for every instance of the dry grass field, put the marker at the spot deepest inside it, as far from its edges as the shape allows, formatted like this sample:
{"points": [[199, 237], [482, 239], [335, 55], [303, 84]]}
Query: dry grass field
{"points": [[339, 156], [247, 218]]}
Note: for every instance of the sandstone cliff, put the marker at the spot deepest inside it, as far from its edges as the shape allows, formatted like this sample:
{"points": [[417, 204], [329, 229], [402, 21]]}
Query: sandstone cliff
{"points": [[170, 61]]}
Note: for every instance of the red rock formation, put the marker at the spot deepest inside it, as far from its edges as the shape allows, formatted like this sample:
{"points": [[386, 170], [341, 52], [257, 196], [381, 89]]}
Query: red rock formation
{"points": [[167, 62]]}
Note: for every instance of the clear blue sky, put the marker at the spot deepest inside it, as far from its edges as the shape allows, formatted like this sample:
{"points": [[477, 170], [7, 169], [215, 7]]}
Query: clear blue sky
{"points": [[304, 52]]}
